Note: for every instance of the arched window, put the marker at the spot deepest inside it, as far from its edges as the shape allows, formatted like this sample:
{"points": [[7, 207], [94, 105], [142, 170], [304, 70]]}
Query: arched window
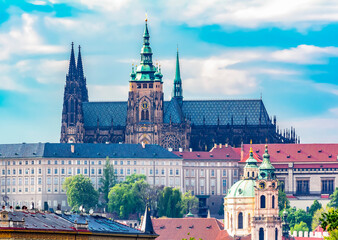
{"points": [[276, 234], [240, 220], [261, 234], [145, 115], [248, 174], [253, 174], [262, 201], [273, 202]]}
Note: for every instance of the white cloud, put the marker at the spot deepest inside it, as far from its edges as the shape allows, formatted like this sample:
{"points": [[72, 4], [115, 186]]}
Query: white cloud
{"points": [[108, 93], [326, 87], [300, 14], [24, 40], [44, 70], [305, 54], [316, 129]]}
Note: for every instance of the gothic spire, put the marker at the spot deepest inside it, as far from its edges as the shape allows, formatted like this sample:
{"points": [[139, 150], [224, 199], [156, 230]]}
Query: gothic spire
{"points": [[81, 78], [79, 64], [72, 65], [177, 91]]}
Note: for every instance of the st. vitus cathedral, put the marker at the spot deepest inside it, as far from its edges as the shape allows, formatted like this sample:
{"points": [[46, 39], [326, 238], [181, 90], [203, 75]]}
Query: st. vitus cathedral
{"points": [[147, 118]]}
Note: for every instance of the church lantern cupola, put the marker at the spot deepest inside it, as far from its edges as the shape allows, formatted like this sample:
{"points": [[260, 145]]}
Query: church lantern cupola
{"points": [[266, 170]]}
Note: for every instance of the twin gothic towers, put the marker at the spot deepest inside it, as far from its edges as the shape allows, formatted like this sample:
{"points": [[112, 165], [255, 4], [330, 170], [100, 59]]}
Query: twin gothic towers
{"points": [[147, 118]]}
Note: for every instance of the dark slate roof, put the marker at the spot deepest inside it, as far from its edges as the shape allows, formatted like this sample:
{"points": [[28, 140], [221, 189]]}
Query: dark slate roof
{"points": [[210, 110], [41, 221], [95, 150], [225, 110], [84, 150], [22, 150], [105, 113], [98, 224]]}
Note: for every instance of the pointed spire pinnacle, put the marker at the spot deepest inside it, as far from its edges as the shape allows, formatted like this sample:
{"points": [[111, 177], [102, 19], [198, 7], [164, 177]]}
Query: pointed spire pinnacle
{"points": [[177, 91], [79, 64], [147, 225], [72, 64]]}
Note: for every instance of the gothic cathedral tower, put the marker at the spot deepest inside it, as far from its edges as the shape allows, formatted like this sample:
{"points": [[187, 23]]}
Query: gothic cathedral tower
{"points": [[72, 127], [145, 100], [266, 223]]}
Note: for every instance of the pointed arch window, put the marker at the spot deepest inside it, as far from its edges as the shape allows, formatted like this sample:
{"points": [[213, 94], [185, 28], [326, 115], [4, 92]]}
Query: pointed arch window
{"points": [[145, 114], [263, 201], [240, 220]]}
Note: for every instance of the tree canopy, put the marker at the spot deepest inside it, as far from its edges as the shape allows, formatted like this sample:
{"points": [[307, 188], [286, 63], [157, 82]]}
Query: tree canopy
{"points": [[80, 192], [282, 200], [169, 203], [334, 199], [128, 197], [302, 226], [107, 181], [314, 207], [329, 220]]}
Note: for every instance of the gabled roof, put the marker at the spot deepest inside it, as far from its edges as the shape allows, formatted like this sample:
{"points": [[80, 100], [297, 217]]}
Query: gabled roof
{"points": [[297, 153], [216, 153], [200, 112], [178, 228], [84, 150]]}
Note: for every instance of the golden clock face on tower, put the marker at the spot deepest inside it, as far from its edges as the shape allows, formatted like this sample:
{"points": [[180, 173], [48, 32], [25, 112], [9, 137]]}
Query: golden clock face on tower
{"points": [[262, 185], [145, 105]]}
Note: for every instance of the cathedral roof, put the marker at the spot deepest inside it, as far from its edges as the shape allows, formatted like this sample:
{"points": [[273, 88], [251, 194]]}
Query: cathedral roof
{"points": [[242, 188], [199, 112]]}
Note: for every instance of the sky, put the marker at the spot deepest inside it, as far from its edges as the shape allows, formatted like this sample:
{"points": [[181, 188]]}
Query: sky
{"points": [[283, 51]]}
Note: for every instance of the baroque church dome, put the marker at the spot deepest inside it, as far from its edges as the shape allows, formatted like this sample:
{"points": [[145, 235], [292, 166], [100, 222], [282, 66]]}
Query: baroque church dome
{"points": [[242, 188]]}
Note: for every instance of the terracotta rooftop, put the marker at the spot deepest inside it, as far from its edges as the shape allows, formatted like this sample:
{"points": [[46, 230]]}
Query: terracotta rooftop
{"points": [[219, 152], [179, 228], [297, 153]]}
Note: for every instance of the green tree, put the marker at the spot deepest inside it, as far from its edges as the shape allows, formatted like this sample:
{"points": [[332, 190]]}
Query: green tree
{"points": [[329, 220], [314, 207], [295, 216], [302, 226], [333, 235], [282, 200], [334, 199], [189, 202], [107, 181], [128, 197], [316, 216], [169, 203], [80, 192]]}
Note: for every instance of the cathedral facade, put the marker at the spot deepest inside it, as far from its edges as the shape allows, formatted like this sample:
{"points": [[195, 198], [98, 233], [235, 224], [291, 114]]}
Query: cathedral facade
{"points": [[147, 118]]}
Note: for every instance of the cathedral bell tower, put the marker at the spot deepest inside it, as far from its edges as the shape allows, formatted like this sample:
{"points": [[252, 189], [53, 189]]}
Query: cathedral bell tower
{"points": [[145, 100], [72, 126], [266, 223]]}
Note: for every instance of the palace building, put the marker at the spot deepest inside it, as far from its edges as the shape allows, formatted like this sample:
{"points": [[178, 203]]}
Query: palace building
{"points": [[146, 117]]}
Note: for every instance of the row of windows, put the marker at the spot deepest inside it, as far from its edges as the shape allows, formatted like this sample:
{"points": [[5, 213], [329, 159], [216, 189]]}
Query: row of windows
{"points": [[20, 190], [49, 171], [49, 162], [307, 169], [303, 186]]}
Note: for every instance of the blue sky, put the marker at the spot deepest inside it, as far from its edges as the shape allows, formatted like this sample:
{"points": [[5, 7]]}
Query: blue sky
{"points": [[286, 51]]}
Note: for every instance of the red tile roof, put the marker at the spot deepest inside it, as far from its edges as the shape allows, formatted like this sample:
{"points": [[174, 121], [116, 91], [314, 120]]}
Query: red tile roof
{"points": [[216, 153], [178, 228], [308, 238], [297, 153]]}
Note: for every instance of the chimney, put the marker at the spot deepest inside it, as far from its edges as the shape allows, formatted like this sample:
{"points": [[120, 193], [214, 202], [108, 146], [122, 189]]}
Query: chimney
{"points": [[72, 148], [180, 149], [143, 145], [220, 145], [170, 149], [215, 145], [226, 145], [190, 150]]}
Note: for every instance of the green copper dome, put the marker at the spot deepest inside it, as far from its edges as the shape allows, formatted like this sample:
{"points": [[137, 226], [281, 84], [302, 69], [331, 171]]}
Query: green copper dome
{"points": [[266, 170], [251, 162], [242, 188]]}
